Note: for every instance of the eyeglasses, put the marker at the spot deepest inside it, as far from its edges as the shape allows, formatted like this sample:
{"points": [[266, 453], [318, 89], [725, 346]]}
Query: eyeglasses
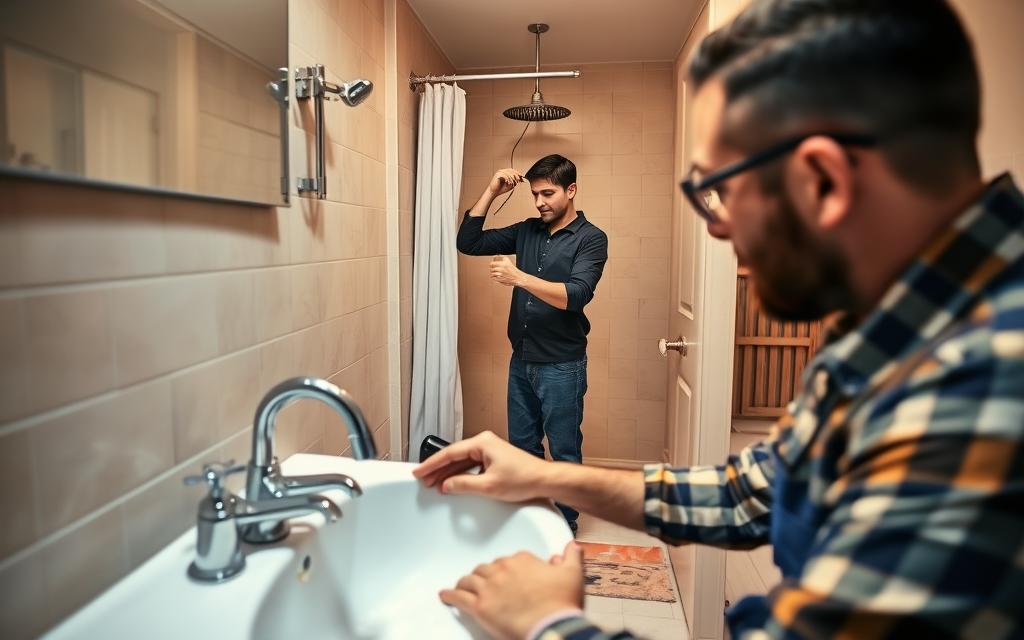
{"points": [[702, 191]]}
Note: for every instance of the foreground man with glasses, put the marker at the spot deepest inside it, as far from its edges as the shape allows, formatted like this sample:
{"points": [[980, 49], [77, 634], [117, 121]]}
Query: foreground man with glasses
{"points": [[835, 149]]}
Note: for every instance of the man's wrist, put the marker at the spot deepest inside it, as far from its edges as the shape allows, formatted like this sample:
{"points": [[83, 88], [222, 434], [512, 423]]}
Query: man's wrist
{"points": [[558, 616], [523, 281], [551, 480]]}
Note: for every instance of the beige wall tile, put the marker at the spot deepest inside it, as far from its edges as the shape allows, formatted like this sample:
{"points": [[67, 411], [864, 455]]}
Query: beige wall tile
{"points": [[96, 237], [17, 486], [24, 610], [83, 562], [650, 450], [15, 374], [272, 303], [236, 311], [205, 237], [158, 515], [90, 456], [214, 401], [305, 301], [11, 260], [163, 326], [70, 347]]}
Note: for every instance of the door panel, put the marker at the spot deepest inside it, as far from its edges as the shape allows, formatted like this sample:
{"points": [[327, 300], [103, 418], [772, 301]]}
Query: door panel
{"points": [[683, 375]]}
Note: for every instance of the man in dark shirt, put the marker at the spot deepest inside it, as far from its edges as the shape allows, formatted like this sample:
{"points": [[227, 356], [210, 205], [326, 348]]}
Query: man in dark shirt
{"points": [[559, 259]]}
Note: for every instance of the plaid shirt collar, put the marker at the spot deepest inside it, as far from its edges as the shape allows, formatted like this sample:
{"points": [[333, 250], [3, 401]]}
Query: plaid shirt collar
{"points": [[933, 292]]}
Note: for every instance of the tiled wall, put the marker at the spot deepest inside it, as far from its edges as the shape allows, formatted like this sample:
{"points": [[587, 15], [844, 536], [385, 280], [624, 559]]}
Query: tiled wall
{"points": [[620, 137], [417, 52], [138, 333]]}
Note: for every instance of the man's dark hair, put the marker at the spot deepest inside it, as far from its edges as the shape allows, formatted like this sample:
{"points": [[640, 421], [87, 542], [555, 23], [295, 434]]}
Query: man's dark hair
{"points": [[558, 169], [901, 70]]}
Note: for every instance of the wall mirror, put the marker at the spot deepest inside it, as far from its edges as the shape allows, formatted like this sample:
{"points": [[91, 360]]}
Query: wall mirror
{"points": [[175, 96]]}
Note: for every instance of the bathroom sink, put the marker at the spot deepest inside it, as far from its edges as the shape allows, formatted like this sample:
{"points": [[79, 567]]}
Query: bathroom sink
{"points": [[374, 573]]}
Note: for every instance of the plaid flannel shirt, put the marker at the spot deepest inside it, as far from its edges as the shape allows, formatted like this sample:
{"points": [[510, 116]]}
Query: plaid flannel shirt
{"points": [[903, 459]]}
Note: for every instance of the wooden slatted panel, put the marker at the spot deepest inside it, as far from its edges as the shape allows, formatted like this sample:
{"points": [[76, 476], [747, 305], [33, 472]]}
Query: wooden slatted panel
{"points": [[770, 356]]}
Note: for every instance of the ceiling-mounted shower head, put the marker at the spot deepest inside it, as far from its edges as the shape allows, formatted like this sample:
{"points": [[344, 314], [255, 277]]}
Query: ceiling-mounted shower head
{"points": [[537, 110]]}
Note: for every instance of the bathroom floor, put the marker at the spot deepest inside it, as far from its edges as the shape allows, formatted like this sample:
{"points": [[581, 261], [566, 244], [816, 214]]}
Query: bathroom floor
{"points": [[647, 619]]}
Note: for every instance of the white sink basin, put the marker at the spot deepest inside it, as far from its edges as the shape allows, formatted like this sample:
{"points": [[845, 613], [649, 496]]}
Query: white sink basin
{"points": [[374, 573]]}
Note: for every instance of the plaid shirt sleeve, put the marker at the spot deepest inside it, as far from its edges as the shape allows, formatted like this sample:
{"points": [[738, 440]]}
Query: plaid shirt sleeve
{"points": [[726, 505]]}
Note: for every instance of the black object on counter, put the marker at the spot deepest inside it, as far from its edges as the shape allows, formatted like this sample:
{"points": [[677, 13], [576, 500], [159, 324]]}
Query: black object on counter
{"points": [[431, 445]]}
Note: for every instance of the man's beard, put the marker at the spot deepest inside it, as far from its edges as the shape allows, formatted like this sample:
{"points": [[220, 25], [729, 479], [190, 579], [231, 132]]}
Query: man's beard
{"points": [[555, 215], [796, 276]]}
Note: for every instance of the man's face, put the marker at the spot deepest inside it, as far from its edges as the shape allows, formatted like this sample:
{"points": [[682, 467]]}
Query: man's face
{"points": [[551, 200], [798, 272]]}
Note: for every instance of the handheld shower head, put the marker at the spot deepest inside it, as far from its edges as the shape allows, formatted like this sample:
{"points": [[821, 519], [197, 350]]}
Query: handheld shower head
{"points": [[355, 92]]}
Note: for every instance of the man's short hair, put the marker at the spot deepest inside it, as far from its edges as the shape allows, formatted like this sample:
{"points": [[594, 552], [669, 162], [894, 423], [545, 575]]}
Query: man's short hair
{"points": [[558, 169], [901, 70]]}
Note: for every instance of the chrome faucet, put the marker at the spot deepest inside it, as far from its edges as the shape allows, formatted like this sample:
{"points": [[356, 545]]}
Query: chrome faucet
{"points": [[223, 515], [265, 482]]}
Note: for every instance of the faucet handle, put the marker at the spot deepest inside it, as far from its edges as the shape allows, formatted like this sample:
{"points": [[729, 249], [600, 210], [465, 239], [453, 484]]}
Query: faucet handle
{"points": [[214, 474]]}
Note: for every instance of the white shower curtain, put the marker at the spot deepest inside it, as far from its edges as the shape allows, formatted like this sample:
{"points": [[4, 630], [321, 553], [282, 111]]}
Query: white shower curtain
{"points": [[436, 403]]}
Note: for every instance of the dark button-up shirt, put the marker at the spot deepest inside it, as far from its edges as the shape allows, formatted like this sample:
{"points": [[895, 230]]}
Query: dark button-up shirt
{"points": [[574, 255]]}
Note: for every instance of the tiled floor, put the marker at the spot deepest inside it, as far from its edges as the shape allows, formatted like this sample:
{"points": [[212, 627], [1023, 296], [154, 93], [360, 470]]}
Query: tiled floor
{"points": [[650, 620]]}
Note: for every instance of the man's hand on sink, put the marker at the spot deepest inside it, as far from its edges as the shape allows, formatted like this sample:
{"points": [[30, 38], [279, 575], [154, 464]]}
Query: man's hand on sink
{"points": [[509, 596], [513, 475], [508, 474]]}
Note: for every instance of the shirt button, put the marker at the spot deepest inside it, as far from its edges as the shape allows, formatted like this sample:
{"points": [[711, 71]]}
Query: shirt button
{"points": [[529, 302], [538, 268], [524, 326]]}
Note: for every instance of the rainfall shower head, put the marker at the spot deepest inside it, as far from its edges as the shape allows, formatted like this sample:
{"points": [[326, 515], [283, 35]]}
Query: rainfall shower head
{"points": [[537, 110]]}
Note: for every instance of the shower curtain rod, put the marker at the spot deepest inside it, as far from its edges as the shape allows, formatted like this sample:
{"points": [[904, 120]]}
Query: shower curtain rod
{"points": [[415, 80]]}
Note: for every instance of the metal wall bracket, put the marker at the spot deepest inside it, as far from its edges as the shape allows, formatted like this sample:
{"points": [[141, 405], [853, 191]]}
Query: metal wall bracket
{"points": [[309, 84]]}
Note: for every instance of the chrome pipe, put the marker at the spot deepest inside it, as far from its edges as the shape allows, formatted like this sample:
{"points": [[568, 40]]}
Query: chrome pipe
{"points": [[415, 80]]}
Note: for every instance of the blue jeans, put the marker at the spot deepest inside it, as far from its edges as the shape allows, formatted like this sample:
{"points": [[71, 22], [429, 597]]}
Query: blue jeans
{"points": [[547, 399]]}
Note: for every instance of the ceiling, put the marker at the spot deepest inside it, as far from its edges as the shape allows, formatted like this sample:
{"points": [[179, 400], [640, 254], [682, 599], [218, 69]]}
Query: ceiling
{"points": [[482, 34], [257, 28]]}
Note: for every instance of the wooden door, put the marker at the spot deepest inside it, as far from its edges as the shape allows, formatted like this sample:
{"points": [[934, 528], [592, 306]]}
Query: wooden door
{"points": [[770, 356]]}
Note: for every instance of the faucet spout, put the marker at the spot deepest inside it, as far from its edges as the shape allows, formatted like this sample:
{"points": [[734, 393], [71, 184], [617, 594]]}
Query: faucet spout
{"points": [[265, 481], [302, 485], [285, 393], [285, 508]]}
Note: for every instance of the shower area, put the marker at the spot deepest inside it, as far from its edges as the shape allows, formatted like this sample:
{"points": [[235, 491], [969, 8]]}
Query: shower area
{"points": [[615, 121]]}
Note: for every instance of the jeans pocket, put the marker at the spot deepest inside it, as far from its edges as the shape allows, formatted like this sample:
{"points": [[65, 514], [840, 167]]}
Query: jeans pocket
{"points": [[569, 367]]}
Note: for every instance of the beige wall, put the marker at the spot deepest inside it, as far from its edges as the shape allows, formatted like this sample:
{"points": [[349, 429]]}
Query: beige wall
{"points": [[620, 137], [994, 27], [417, 52], [138, 333]]}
